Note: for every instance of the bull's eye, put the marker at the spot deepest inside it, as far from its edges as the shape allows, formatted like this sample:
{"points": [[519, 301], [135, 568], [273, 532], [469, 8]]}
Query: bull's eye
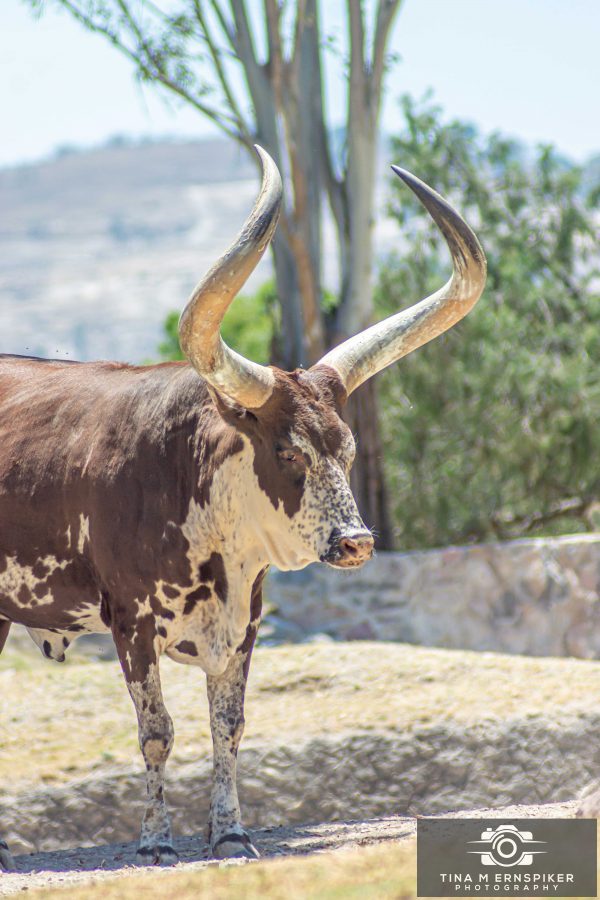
{"points": [[292, 457], [287, 455]]}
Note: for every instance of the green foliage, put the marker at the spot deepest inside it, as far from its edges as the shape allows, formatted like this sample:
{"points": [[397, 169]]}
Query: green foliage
{"points": [[492, 430], [248, 327]]}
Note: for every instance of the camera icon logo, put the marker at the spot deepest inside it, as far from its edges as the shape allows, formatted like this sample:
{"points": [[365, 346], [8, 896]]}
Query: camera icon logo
{"points": [[506, 846]]}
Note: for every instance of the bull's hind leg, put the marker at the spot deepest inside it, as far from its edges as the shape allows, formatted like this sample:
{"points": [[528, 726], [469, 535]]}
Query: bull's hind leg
{"points": [[226, 698], [6, 860], [139, 661]]}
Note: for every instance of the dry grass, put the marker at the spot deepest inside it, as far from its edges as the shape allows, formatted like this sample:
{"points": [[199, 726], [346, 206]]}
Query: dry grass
{"points": [[76, 717], [373, 873]]}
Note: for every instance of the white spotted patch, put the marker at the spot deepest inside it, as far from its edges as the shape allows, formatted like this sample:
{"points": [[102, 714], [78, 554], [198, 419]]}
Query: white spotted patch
{"points": [[82, 536], [84, 533], [224, 525], [327, 504], [16, 576], [88, 616]]}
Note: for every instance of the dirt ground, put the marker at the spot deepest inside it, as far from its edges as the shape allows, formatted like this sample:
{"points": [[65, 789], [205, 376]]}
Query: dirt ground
{"points": [[358, 737], [91, 871]]}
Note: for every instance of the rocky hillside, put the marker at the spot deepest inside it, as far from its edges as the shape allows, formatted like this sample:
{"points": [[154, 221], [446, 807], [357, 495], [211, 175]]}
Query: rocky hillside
{"points": [[97, 246]]}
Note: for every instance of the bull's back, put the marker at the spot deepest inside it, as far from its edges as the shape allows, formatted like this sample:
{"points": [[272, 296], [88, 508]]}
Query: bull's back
{"points": [[63, 420], [40, 407], [82, 454], [44, 519]]}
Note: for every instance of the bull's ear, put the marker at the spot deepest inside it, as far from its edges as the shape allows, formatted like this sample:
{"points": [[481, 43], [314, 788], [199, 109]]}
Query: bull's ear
{"points": [[329, 385]]}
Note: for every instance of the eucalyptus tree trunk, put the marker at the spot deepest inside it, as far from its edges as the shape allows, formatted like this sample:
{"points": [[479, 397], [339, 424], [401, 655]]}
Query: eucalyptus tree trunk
{"points": [[355, 221]]}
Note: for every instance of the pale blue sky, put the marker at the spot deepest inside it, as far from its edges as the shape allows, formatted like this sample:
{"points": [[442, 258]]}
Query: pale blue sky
{"points": [[530, 68]]}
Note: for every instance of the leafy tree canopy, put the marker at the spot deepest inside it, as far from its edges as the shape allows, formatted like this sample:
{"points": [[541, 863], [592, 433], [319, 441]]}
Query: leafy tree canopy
{"points": [[493, 429]]}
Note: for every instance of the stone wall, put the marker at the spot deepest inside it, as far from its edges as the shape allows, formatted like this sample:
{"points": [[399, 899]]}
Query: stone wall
{"points": [[537, 596]]}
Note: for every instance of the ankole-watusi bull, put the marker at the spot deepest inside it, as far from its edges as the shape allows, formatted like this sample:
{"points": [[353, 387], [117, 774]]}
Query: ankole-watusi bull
{"points": [[149, 501]]}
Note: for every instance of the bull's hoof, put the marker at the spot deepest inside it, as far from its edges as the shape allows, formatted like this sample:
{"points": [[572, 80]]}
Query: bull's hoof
{"points": [[161, 855], [6, 861], [589, 802], [235, 846]]}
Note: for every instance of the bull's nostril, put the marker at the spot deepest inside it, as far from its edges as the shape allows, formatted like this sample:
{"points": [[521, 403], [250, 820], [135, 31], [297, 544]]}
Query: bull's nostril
{"points": [[349, 547], [358, 547], [346, 550]]}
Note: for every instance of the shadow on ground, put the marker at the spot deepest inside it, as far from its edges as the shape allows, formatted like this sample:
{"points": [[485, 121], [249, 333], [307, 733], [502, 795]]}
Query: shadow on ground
{"points": [[270, 841], [63, 868]]}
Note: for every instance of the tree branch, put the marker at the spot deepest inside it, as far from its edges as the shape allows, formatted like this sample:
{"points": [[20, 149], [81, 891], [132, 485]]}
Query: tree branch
{"points": [[523, 524], [149, 67], [243, 36], [386, 12], [333, 187], [226, 27], [357, 40], [259, 86], [299, 31], [275, 54], [243, 129]]}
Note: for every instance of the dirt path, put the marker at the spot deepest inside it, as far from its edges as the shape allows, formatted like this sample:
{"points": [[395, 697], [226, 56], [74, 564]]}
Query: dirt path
{"points": [[81, 866]]}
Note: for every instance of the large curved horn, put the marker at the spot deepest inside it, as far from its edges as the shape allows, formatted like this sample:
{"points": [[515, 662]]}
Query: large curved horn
{"points": [[362, 356], [199, 327]]}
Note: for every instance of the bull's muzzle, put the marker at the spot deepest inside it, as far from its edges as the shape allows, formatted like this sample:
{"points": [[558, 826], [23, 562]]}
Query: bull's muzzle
{"points": [[350, 549]]}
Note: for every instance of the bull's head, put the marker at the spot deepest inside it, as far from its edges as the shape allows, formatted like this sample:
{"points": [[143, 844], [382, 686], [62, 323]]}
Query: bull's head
{"points": [[303, 450]]}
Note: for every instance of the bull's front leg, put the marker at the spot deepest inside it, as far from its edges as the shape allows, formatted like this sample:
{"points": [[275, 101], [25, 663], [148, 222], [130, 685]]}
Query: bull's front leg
{"points": [[139, 661], [226, 699]]}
